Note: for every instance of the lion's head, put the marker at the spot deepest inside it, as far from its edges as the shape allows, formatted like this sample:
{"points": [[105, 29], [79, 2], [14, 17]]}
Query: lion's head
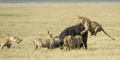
{"points": [[80, 20]]}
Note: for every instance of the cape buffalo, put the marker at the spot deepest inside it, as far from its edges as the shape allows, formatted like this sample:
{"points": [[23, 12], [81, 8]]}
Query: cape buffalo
{"points": [[74, 30]]}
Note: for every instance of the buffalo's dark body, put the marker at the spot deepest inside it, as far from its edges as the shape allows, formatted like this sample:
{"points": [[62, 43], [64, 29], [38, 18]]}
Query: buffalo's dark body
{"points": [[74, 30]]}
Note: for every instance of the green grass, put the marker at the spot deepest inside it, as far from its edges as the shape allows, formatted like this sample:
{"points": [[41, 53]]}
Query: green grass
{"points": [[30, 20]]}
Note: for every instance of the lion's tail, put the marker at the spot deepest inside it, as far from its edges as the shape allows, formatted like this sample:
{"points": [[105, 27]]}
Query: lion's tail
{"points": [[107, 34], [30, 42]]}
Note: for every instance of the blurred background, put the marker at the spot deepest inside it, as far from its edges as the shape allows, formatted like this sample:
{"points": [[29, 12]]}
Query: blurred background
{"points": [[12, 1]]}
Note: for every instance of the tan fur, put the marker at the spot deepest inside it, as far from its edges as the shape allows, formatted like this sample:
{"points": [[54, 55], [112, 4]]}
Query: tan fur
{"points": [[71, 42], [96, 27], [91, 26], [86, 22], [7, 41], [46, 43]]}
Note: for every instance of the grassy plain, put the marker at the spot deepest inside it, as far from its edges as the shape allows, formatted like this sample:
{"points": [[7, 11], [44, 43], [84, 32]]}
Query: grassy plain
{"points": [[30, 20]]}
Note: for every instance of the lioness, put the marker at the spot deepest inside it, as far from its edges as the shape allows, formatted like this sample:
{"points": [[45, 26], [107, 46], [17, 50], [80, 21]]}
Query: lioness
{"points": [[46, 43], [7, 41], [38, 42], [71, 42], [96, 27], [91, 26], [86, 23]]}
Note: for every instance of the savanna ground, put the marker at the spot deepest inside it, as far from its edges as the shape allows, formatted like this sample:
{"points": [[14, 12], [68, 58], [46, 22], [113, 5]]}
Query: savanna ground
{"points": [[30, 20]]}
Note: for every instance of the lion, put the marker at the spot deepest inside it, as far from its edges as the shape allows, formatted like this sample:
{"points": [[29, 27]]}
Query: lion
{"points": [[91, 26], [46, 43], [95, 28], [7, 41], [86, 23], [71, 42]]}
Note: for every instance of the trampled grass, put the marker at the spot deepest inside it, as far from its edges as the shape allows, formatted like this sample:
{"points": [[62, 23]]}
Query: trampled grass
{"points": [[30, 20]]}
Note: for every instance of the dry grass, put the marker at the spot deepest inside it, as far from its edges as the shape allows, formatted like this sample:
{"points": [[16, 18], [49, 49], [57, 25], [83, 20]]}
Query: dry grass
{"points": [[30, 20]]}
